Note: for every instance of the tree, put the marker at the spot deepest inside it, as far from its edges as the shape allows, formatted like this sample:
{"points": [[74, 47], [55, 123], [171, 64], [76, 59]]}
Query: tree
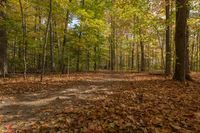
{"points": [[112, 38], [111, 34], [168, 46], [62, 62], [51, 40], [24, 39], [187, 61], [3, 40], [180, 39], [45, 41], [142, 67], [112, 45]]}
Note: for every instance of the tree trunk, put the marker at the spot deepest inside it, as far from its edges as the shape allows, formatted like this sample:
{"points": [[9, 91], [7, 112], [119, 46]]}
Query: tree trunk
{"points": [[24, 39], [198, 52], [120, 60], [88, 59], [142, 68], [162, 54], [62, 62], [39, 60], [51, 41], [78, 60], [95, 57], [192, 55], [112, 45], [148, 60], [187, 61], [180, 41], [14, 54], [132, 56], [168, 46], [45, 43], [138, 58], [3, 42]]}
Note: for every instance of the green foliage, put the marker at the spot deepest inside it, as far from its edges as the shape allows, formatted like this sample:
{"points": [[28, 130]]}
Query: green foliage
{"points": [[126, 23]]}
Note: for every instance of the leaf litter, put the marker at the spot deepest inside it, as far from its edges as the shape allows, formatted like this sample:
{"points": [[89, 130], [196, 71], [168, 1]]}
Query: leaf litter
{"points": [[100, 102]]}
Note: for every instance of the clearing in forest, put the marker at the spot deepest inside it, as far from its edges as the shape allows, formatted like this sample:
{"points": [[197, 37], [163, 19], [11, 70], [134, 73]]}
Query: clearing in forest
{"points": [[100, 102]]}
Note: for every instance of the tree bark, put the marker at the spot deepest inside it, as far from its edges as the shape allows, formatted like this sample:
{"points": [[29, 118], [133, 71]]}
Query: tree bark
{"points": [[132, 56], [51, 41], [168, 46], [138, 58], [142, 68], [78, 59], [45, 43], [62, 61], [180, 41], [112, 45], [14, 55], [95, 58], [187, 61], [198, 52], [88, 60], [3, 41], [24, 39]]}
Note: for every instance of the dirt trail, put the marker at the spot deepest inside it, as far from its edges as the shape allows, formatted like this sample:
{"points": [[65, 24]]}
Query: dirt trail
{"points": [[100, 102]]}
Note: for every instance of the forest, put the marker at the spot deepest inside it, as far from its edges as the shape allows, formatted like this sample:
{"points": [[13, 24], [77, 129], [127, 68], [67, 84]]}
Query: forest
{"points": [[95, 66]]}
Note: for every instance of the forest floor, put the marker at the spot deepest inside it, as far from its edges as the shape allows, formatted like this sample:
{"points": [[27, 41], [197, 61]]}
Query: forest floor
{"points": [[100, 102]]}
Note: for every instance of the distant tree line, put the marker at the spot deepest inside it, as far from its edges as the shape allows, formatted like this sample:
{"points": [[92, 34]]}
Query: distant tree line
{"points": [[90, 35]]}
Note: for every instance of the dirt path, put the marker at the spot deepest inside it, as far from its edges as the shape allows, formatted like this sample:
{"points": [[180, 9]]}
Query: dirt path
{"points": [[100, 102]]}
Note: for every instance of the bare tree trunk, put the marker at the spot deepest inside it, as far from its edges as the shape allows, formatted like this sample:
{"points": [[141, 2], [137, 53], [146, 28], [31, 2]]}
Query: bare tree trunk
{"points": [[148, 60], [168, 46], [62, 60], [161, 48], [51, 41], [64, 42], [142, 68], [162, 54], [59, 55], [132, 56], [198, 51], [172, 40], [116, 55], [78, 53], [95, 57], [120, 60], [88, 59], [3, 42], [39, 60], [99, 58], [45, 43], [24, 39], [180, 41], [14, 54], [78, 59], [192, 55], [138, 58], [112, 45], [109, 60], [187, 61]]}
